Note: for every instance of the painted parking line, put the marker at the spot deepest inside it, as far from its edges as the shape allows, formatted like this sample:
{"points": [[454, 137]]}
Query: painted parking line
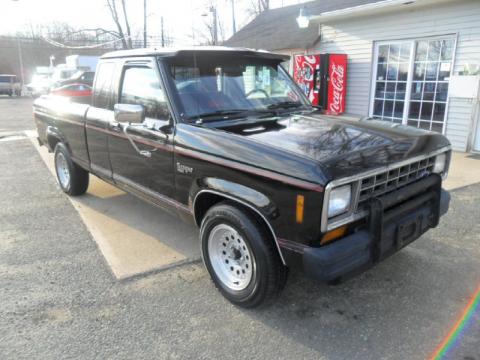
{"points": [[12, 136], [134, 237]]}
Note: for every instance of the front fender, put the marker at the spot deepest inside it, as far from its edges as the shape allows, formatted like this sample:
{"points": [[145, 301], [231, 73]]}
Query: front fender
{"points": [[240, 192], [259, 203]]}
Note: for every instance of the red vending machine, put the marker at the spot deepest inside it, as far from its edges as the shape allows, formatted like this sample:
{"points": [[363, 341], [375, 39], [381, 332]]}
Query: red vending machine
{"points": [[323, 79]]}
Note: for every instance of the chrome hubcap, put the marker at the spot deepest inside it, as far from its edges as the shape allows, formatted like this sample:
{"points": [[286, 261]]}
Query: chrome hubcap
{"points": [[62, 170], [230, 257]]}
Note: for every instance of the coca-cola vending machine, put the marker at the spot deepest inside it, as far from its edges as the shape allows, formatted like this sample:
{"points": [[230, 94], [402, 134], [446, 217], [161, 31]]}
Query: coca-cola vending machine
{"points": [[323, 79]]}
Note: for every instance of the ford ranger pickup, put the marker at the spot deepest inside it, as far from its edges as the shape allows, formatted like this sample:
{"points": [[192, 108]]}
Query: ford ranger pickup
{"points": [[224, 138]]}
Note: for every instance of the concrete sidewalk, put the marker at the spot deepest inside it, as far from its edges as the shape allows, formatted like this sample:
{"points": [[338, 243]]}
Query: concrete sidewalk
{"points": [[464, 170]]}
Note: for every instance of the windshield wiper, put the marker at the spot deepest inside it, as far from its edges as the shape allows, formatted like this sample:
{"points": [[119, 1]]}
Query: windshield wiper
{"points": [[224, 114], [285, 105], [218, 114]]}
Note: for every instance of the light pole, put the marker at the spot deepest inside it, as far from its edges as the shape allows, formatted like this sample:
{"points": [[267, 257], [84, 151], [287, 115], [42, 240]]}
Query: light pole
{"points": [[144, 23], [20, 57], [234, 27], [163, 34]]}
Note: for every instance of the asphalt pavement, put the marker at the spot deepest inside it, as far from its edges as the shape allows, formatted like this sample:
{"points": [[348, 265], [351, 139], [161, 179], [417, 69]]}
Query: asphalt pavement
{"points": [[58, 298]]}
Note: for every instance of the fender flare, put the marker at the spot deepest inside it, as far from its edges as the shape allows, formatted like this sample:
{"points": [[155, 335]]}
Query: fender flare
{"points": [[52, 132], [243, 202]]}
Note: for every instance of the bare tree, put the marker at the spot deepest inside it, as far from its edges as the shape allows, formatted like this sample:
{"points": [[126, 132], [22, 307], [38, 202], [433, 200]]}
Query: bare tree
{"points": [[213, 31], [258, 6], [127, 24], [123, 34]]}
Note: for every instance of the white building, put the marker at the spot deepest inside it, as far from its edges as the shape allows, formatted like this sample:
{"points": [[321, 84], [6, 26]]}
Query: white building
{"points": [[412, 62]]}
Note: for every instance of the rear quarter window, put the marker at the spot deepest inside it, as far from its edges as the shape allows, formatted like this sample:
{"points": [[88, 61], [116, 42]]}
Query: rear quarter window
{"points": [[103, 85]]}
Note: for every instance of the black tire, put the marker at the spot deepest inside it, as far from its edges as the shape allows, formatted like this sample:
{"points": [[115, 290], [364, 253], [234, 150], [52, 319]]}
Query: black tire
{"points": [[268, 275], [77, 183]]}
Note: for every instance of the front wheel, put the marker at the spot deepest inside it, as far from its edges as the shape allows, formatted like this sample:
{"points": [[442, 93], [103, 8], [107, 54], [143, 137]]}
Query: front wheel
{"points": [[241, 258], [72, 178]]}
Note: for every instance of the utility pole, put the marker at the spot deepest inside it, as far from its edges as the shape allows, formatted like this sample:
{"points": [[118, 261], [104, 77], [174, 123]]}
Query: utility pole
{"points": [[234, 27], [163, 33], [144, 23], [20, 59], [213, 10]]}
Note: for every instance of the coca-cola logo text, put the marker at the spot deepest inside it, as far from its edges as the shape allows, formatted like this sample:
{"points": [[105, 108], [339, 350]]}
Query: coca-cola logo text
{"points": [[338, 82]]}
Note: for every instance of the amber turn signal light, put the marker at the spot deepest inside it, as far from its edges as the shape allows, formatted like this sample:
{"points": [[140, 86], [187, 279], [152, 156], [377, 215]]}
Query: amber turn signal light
{"points": [[333, 235], [300, 205]]}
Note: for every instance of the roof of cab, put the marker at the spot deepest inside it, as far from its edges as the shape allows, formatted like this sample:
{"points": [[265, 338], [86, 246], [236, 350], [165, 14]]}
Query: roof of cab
{"points": [[171, 52]]}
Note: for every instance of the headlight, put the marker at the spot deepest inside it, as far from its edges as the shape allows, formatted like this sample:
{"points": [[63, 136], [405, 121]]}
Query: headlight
{"points": [[440, 163], [339, 200]]}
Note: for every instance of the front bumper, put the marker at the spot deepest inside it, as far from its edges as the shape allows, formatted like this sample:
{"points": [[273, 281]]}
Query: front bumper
{"points": [[395, 220]]}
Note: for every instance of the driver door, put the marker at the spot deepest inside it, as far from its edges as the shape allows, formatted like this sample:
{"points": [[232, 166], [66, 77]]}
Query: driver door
{"points": [[146, 166]]}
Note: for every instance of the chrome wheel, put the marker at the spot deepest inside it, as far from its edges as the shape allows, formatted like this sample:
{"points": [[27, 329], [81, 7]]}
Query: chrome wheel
{"points": [[63, 171], [230, 257]]}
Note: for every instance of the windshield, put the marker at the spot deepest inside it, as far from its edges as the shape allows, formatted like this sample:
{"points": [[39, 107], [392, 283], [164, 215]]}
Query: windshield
{"points": [[211, 85]]}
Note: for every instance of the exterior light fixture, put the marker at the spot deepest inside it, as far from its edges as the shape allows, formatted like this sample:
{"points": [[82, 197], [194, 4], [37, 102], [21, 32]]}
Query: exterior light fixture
{"points": [[303, 18]]}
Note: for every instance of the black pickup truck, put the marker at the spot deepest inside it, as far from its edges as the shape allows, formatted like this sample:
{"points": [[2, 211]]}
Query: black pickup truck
{"points": [[223, 137]]}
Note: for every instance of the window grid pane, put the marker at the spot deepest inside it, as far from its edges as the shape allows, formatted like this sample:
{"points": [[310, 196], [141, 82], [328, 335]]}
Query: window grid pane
{"points": [[430, 84], [391, 81]]}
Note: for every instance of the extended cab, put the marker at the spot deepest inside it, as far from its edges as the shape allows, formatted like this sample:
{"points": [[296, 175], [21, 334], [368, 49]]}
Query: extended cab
{"points": [[224, 138]]}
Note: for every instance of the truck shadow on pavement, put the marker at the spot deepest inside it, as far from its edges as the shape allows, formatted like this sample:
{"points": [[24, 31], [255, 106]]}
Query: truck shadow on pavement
{"points": [[135, 237], [400, 309]]}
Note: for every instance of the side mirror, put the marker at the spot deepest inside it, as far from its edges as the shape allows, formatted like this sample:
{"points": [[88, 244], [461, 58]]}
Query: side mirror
{"points": [[129, 113]]}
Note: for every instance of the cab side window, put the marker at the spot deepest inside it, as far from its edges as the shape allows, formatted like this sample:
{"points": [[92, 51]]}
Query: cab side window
{"points": [[141, 86]]}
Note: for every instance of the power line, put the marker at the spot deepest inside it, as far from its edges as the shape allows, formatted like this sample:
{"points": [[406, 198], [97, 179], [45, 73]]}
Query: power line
{"points": [[60, 45]]}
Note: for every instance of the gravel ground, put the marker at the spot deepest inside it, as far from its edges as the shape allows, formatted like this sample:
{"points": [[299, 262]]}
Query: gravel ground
{"points": [[59, 299]]}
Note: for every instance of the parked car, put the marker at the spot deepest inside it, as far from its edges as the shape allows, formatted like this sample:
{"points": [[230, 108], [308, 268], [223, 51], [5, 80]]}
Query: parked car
{"points": [[40, 85], [73, 90], [9, 85], [80, 77], [271, 183]]}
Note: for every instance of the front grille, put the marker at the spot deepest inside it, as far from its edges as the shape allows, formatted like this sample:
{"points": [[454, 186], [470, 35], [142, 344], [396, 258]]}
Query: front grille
{"points": [[393, 179]]}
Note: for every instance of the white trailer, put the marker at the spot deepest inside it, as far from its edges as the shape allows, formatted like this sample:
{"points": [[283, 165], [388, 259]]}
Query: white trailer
{"points": [[82, 62]]}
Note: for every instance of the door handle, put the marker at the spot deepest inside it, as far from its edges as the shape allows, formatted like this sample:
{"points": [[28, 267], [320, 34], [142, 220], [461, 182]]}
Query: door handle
{"points": [[115, 125]]}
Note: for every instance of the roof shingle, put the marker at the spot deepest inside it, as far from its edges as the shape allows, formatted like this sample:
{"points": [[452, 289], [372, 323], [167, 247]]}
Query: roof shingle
{"points": [[277, 29]]}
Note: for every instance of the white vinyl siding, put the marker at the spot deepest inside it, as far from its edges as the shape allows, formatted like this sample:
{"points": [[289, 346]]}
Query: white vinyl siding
{"points": [[459, 122], [356, 37]]}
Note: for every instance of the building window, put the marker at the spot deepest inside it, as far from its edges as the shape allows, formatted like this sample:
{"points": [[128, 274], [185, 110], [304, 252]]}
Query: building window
{"points": [[411, 82], [391, 80]]}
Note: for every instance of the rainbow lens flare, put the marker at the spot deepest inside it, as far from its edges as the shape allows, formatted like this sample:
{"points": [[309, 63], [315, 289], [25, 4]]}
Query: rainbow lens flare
{"points": [[452, 337]]}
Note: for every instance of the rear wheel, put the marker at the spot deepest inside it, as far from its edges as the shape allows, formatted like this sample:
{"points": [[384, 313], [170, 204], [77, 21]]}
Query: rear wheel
{"points": [[240, 257], [72, 178]]}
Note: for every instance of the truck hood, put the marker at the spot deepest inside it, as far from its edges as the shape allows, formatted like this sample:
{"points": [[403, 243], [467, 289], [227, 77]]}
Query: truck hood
{"points": [[341, 147]]}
